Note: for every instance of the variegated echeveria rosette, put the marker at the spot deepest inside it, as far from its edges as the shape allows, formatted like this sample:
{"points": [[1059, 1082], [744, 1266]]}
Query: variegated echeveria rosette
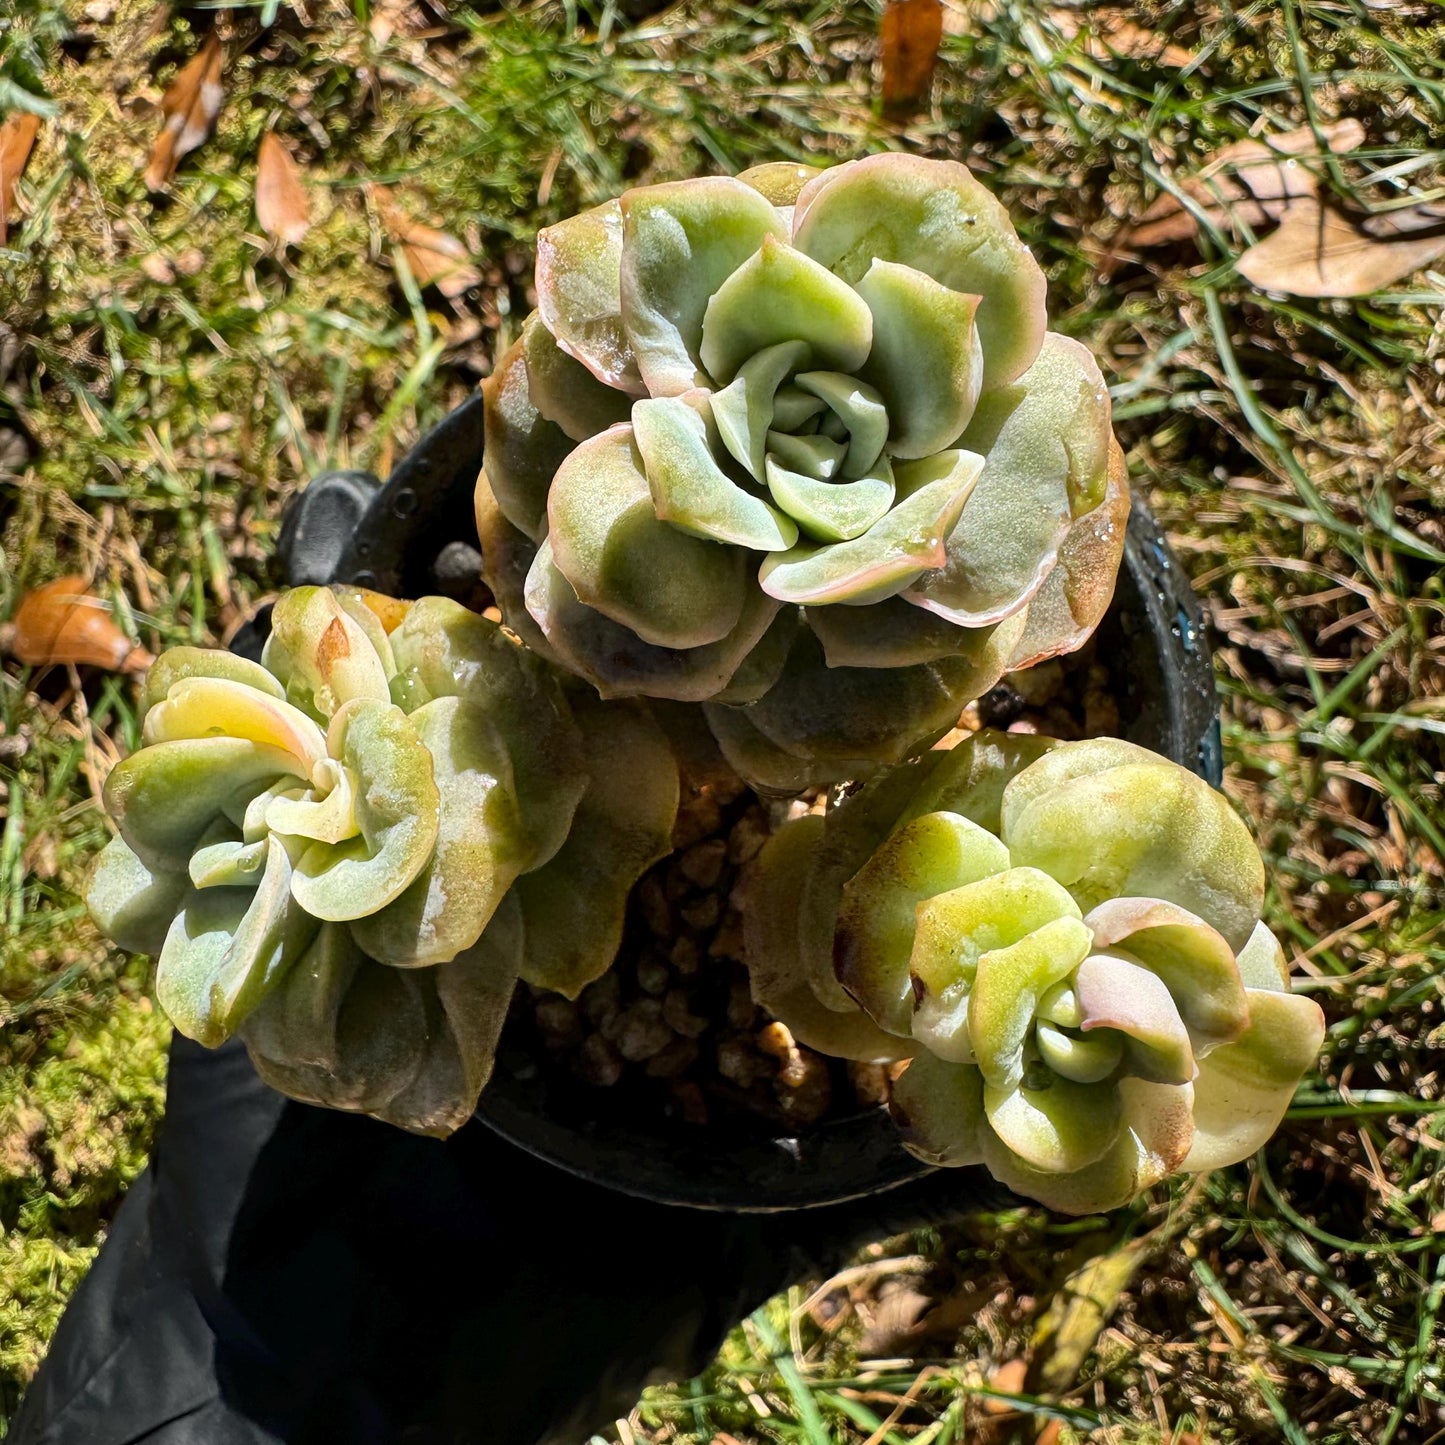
{"points": [[798, 445], [350, 852], [1064, 940]]}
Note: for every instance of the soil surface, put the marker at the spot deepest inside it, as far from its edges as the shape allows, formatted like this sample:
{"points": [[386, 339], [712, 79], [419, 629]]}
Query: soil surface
{"points": [[672, 1026]]}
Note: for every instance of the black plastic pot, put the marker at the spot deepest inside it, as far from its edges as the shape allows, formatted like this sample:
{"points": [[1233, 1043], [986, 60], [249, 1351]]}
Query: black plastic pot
{"points": [[417, 536]]}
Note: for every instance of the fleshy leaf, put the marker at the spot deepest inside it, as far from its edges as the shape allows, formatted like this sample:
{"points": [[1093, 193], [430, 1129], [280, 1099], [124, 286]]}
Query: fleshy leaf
{"points": [[563, 390], [1062, 1128], [1244, 1088], [760, 669], [412, 1047], [861, 409], [856, 826], [507, 555], [879, 916], [579, 294], [208, 707], [793, 408], [573, 907], [776, 295], [164, 797], [671, 589], [779, 181], [831, 511], [681, 241], [1046, 441], [321, 654], [1085, 1060], [767, 768], [894, 553], [357, 604], [935, 217], [481, 844], [397, 808], [1063, 613], [227, 948], [132, 904], [327, 815], [222, 860], [523, 449], [448, 651], [744, 409], [789, 952], [1107, 826], [1034, 952], [474, 991], [970, 778], [1150, 1146], [689, 489], [817, 456], [963, 922], [295, 1024], [1261, 962], [389, 612], [938, 1108], [1195, 962], [1117, 993], [178, 663], [927, 360], [617, 662], [840, 723], [374, 1022]]}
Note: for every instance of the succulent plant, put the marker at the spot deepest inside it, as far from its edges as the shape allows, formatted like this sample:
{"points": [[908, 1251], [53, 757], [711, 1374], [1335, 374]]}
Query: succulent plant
{"points": [[350, 852], [1065, 940], [798, 445]]}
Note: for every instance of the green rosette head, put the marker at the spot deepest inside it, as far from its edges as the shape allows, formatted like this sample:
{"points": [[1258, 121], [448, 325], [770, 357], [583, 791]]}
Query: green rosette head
{"points": [[1067, 939], [325, 848], [798, 445]]}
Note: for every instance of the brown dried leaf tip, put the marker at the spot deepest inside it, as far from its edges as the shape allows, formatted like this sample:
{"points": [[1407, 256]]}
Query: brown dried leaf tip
{"points": [[434, 257], [912, 31], [282, 208], [17, 136], [190, 106], [62, 622]]}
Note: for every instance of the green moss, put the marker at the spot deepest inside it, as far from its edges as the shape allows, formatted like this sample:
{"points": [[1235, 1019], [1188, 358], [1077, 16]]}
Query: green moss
{"points": [[79, 1102]]}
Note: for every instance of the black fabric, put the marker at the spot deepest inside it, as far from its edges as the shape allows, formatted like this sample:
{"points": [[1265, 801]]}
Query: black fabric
{"points": [[286, 1273]]}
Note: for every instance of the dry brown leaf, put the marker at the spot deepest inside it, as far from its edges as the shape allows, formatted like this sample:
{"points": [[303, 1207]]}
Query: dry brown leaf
{"points": [[435, 258], [282, 207], [895, 1321], [911, 32], [1248, 183], [190, 106], [1319, 251], [61, 622], [1111, 33], [17, 136]]}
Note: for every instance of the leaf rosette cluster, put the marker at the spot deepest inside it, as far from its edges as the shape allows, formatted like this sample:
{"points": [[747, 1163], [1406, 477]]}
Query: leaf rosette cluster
{"points": [[798, 445], [350, 852], [1064, 940]]}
